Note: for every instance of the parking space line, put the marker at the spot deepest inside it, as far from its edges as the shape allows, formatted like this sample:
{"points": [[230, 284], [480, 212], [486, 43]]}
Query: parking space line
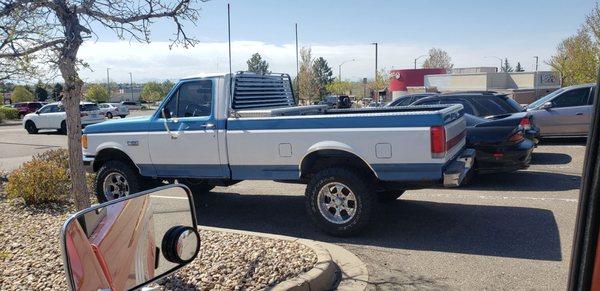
{"points": [[168, 197], [463, 196]]}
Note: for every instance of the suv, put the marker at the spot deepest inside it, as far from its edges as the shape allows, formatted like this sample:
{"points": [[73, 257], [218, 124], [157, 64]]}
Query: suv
{"points": [[337, 101], [25, 108], [132, 105], [564, 112], [53, 116]]}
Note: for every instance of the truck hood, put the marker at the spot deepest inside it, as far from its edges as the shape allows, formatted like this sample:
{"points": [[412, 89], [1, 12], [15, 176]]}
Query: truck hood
{"points": [[131, 124]]}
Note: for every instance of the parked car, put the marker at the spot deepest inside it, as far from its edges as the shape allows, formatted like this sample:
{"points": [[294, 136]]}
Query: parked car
{"points": [[113, 109], [202, 137], [409, 99], [53, 116], [132, 105], [25, 108], [564, 112], [337, 101], [488, 105], [500, 144]]}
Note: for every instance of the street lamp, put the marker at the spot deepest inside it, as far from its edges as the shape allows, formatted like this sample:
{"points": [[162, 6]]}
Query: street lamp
{"points": [[418, 59], [376, 44], [500, 59], [131, 85], [108, 83], [537, 59], [340, 68]]}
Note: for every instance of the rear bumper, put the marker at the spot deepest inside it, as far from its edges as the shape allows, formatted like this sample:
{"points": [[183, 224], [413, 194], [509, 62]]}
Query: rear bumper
{"points": [[458, 169], [513, 158], [88, 163]]}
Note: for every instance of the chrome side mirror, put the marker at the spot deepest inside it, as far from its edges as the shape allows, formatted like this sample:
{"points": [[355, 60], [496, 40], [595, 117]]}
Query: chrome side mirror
{"points": [[546, 105], [129, 242]]}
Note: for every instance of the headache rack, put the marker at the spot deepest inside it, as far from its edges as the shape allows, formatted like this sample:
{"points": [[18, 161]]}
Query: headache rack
{"points": [[257, 91]]}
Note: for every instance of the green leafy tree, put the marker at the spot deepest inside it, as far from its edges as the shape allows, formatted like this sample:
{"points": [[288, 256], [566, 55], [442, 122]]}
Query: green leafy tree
{"points": [[21, 94], [152, 91], [340, 87], [576, 59], [257, 65], [57, 91], [323, 75], [506, 66], [438, 58], [519, 68], [308, 87], [166, 87], [96, 93], [41, 93]]}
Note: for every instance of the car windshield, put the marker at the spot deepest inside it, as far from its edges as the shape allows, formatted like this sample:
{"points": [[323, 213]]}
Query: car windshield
{"points": [[546, 98], [88, 107]]}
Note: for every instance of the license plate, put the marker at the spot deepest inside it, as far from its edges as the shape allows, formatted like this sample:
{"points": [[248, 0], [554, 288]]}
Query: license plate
{"points": [[94, 115]]}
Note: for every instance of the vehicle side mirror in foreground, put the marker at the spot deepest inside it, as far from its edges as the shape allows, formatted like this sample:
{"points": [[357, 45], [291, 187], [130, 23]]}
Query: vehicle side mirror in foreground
{"points": [[129, 242], [546, 105]]}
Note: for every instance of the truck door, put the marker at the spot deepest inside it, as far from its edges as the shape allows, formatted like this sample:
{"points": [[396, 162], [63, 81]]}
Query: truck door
{"points": [[182, 138]]}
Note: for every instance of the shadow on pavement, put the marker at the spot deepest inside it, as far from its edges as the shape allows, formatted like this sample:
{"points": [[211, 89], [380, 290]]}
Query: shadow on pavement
{"points": [[525, 181], [513, 232], [550, 159], [564, 141]]}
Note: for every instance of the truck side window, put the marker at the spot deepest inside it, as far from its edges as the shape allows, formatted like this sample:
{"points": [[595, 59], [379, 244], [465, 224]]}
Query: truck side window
{"points": [[191, 99]]}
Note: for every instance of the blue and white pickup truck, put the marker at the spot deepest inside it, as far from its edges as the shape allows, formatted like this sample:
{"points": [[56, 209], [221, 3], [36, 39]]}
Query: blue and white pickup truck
{"points": [[217, 130]]}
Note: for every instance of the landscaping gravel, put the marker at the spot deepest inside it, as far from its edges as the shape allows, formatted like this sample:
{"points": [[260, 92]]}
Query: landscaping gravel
{"points": [[30, 256]]}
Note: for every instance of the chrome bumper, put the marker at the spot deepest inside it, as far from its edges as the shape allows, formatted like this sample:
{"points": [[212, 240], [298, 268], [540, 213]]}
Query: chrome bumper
{"points": [[458, 169], [88, 164]]}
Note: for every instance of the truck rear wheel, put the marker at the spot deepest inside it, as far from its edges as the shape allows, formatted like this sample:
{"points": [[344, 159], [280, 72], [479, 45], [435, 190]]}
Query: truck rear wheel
{"points": [[116, 179], [340, 201]]}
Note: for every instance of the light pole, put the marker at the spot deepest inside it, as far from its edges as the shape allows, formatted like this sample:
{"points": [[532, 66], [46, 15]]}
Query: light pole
{"points": [[108, 82], [500, 59], [418, 59], [340, 68], [537, 59], [131, 85], [376, 44]]}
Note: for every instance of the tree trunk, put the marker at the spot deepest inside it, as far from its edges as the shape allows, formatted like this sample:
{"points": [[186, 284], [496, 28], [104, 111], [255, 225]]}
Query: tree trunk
{"points": [[71, 99]]}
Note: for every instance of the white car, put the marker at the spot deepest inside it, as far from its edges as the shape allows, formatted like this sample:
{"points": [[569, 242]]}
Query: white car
{"points": [[53, 116], [113, 109], [132, 105]]}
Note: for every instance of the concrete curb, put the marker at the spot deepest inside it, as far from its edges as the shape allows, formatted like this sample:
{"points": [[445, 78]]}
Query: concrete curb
{"points": [[332, 263], [11, 123]]}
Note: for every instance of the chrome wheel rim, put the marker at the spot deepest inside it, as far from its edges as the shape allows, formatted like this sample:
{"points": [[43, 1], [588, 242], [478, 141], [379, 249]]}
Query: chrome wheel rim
{"points": [[115, 186], [337, 203]]}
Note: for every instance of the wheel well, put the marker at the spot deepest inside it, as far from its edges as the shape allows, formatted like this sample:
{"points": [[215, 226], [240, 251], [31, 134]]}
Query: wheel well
{"points": [[321, 159], [111, 155]]}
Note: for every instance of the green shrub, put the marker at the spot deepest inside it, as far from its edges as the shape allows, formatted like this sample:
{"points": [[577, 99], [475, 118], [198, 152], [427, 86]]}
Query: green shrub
{"points": [[43, 179], [9, 113], [38, 182], [2, 116]]}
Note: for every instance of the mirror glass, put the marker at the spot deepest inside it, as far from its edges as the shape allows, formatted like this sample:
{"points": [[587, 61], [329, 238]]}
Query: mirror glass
{"points": [[128, 242]]}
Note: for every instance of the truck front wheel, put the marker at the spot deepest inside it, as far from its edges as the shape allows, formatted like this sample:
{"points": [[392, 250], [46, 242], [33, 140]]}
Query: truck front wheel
{"points": [[116, 179], [340, 201]]}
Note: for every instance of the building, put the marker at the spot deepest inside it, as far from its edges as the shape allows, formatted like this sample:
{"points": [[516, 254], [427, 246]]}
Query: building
{"points": [[524, 87], [402, 81], [123, 93]]}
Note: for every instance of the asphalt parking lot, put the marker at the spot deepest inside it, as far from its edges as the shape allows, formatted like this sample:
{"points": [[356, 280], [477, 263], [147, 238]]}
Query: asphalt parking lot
{"points": [[509, 231]]}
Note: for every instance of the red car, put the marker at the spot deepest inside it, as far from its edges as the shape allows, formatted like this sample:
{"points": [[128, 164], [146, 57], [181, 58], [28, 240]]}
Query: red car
{"points": [[25, 108]]}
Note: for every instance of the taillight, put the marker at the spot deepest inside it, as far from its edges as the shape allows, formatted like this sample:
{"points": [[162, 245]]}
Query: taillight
{"points": [[438, 141], [518, 136], [525, 123]]}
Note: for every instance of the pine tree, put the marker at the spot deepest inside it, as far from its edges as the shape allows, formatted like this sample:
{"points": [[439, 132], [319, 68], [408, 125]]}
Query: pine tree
{"points": [[323, 75], [506, 67], [519, 68], [257, 65]]}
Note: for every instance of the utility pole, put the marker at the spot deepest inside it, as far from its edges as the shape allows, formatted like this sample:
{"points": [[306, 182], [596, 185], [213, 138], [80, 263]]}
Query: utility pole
{"points": [[536, 62], [500, 59], [376, 44], [340, 68], [131, 85], [418, 59], [297, 61], [108, 83]]}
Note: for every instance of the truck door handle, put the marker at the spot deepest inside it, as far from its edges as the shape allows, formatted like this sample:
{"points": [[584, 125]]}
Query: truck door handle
{"points": [[208, 126], [578, 113]]}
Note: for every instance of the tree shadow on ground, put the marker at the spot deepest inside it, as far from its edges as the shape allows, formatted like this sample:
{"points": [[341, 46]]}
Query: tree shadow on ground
{"points": [[502, 231]]}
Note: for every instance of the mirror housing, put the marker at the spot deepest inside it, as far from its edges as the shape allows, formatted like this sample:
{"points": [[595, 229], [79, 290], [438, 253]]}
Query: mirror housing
{"points": [[131, 241], [546, 105]]}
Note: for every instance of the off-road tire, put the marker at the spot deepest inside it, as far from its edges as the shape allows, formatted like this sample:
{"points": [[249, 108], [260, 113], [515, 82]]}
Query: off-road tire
{"points": [[30, 127], [389, 195], [109, 115], [359, 184], [134, 180]]}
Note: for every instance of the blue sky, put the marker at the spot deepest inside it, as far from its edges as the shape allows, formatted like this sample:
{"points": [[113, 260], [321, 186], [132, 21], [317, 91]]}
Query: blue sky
{"points": [[341, 30]]}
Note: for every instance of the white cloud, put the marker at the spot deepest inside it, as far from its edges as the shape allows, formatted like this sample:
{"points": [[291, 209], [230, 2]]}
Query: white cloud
{"points": [[156, 61]]}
